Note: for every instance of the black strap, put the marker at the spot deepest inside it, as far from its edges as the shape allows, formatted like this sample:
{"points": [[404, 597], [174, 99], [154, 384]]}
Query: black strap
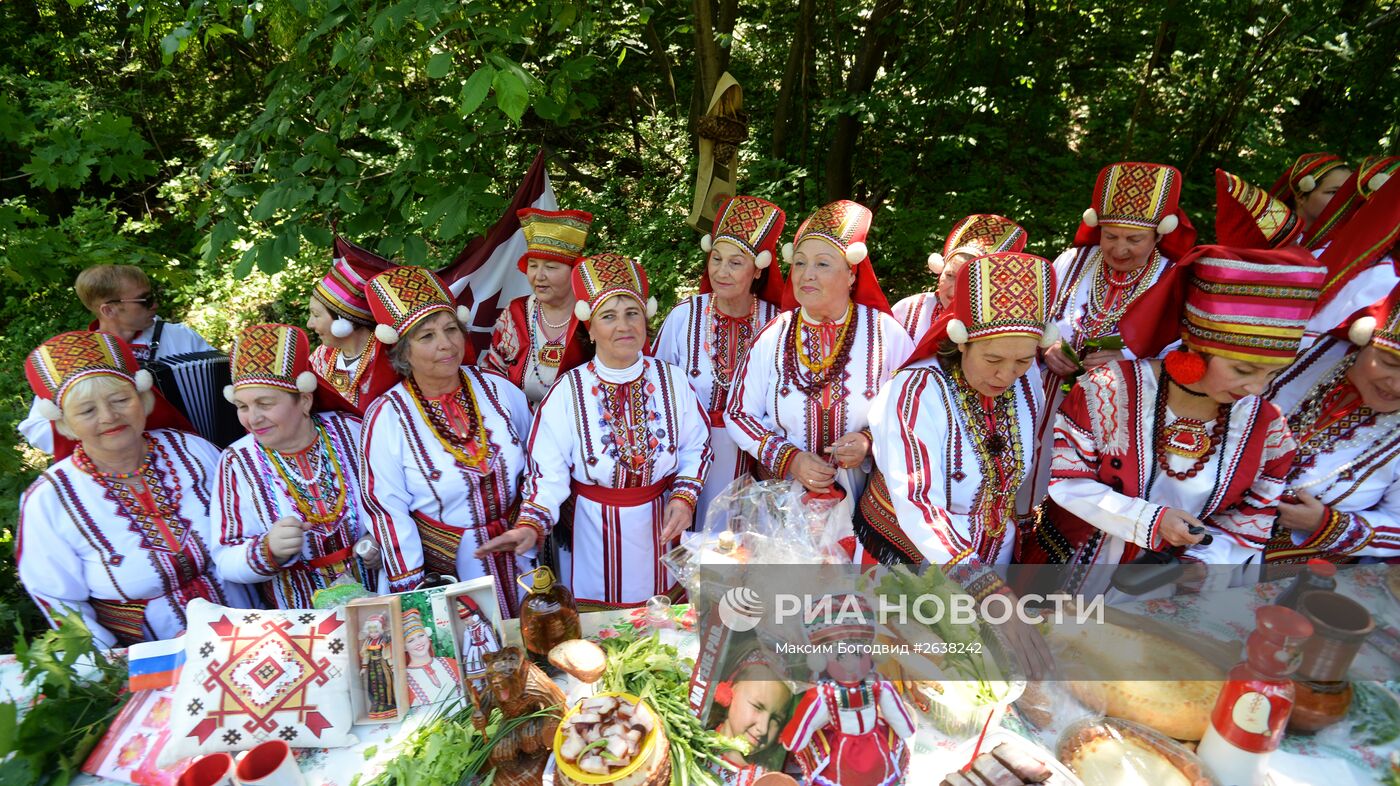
{"points": [[155, 339]]}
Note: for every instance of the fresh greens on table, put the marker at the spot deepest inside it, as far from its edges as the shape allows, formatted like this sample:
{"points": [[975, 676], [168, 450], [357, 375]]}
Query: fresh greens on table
{"points": [[446, 749], [82, 691], [1376, 714], [656, 673]]}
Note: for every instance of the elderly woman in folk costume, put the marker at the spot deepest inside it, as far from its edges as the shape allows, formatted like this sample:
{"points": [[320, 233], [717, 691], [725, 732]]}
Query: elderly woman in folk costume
{"points": [[1155, 455], [1360, 258], [971, 237], [349, 357], [537, 337], [288, 509], [954, 430], [1130, 235], [119, 531], [709, 334], [443, 450], [625, 438], [1342, 400], [1308, 187], [802, 404]]}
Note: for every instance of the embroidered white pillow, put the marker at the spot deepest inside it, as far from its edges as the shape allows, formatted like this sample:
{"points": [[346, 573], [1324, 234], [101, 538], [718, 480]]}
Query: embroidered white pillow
{"points": [[251, 676]]}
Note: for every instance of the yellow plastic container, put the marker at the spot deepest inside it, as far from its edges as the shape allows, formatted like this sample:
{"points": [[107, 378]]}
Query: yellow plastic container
{"points": [[652, 755]]}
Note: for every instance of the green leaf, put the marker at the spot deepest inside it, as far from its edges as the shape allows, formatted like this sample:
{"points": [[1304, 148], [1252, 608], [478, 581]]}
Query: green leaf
{"points": [[247, 25], [511, 95], [475, 90], [273, 199], [439, 65], [415, 251]]}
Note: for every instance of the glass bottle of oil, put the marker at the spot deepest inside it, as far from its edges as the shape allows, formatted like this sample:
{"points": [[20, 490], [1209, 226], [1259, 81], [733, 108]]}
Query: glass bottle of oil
{"points": [[548, 615]]}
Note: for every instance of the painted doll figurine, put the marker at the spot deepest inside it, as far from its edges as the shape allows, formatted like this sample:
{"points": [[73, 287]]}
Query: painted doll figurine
{"points": [[431, 678], [377, 668], [478, 638], [850, 728]]}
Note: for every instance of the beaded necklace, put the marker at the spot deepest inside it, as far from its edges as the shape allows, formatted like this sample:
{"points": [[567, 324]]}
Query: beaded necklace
{"points": [[996, 442], [347, 383], [726, 341], [471, 449], [811, 378], [544, 351], [626, 433], [1185, 436], [1103, 311], [148, 503], [307, 492], [1332, 417]]}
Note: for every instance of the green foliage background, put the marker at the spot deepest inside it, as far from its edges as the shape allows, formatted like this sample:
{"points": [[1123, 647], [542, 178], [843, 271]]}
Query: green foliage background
{"points": [[214, 142]]}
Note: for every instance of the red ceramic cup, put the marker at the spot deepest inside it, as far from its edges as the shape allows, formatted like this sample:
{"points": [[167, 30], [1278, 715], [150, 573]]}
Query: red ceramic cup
{"points": [[269, 764], [216, 769]]}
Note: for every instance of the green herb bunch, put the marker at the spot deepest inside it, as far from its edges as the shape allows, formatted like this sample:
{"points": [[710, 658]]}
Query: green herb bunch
{"points": [[80, 690]]}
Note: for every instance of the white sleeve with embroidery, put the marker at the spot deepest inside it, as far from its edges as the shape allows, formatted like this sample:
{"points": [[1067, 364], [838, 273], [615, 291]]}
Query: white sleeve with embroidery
{"points": [[550, 452], [387, 500], [50, 570]]}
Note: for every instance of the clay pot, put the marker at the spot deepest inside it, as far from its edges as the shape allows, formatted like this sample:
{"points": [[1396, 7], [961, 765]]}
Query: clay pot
{"points": [[1318, 705], [775, 779], [1340, 627]]}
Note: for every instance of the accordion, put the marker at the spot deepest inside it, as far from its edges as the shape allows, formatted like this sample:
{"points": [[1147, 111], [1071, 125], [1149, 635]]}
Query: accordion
{"points": [[194, 384]]}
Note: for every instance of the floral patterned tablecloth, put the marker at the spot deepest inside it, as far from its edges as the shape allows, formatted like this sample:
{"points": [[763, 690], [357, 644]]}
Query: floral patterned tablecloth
{"points": [[934, 752]]}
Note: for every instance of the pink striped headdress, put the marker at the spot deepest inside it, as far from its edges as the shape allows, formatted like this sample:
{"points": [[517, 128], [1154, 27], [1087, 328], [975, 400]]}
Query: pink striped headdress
{"points": [[1246, 304]]}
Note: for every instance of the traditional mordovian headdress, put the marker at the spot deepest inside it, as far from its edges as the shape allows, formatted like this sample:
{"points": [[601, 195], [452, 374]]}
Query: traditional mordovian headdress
{"points": [[1239, 303], [279, 356], [342, 290], [844, 225], [413, 623], [402, 297], [1376, 325], [1247, 217], [1307, 171], [553, 235], [56, 364], [982, 233], [1358, 190], [1139, 196], [755, 225], [1003, 294], [601, 277]]}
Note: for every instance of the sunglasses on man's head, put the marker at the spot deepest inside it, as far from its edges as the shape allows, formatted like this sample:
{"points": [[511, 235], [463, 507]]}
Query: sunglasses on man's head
{"points": [[147, 300]]}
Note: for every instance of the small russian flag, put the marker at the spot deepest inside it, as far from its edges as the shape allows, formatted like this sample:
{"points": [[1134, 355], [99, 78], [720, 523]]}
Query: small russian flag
{"points": [[155, 664]]}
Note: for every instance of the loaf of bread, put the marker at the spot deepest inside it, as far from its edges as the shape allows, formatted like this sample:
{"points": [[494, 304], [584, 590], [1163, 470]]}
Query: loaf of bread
{"points": [[579, 658]]}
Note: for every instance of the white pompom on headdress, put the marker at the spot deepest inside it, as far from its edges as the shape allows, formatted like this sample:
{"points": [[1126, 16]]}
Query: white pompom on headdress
{"points": [[1362, 331], [342, 327]]}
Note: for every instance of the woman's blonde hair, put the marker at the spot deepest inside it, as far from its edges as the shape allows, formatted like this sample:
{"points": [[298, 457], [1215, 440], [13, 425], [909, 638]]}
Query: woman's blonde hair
{"points": [[95, 387]]}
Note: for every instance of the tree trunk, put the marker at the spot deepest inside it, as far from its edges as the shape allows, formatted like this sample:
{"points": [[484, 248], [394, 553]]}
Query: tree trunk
{"points": [[792, 75], [1166, 42], [873, 43], [707, 59]]}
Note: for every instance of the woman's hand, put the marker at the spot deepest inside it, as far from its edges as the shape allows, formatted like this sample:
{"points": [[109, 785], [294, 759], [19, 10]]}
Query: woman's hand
{"points": [[1305, 515], [1031, 650], [850, 450], [1175, 525], [1058, 362], [519, 540], [812, 471], [679, 514], [1101, 357], [285, 538]]}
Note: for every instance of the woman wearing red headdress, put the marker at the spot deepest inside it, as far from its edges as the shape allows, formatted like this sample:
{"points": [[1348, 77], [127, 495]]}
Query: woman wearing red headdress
{"points": [[1130, 235], [1156, 455], [444, 450], [1309, 186], [118, 532], [537, 336], [802, 404], [954, 429], [971, 237], [709, 335], [349, 358], [288, 508], [1342, 399], [1360, 256], [624, 438]]}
